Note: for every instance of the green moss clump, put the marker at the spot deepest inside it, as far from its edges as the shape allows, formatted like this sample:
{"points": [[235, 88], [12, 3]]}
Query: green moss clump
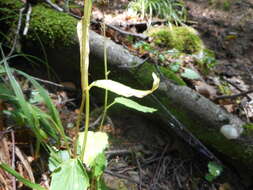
{"points": [[248, 129], [182, 38], [52, 27], [9, 11]]}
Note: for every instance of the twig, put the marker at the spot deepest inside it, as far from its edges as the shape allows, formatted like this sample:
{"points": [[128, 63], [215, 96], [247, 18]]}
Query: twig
{"points": [[233, 96], [13, 160], [54, 6], [23, 158], [158, 169], [27, 21], [140, 170], [55, 84], [96, 122], [236, 87], [17, 31], [124, 177], [142, 36], [124, 151]]}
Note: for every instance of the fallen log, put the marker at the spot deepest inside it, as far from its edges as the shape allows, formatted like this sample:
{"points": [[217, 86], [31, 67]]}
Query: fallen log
{"points": [[197, 113]]}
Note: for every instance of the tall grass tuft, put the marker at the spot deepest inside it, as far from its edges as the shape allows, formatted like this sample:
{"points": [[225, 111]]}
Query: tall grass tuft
{"points": [[172, 10]]}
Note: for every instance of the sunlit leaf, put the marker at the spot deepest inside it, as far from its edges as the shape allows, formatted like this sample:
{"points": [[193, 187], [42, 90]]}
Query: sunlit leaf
{"points": [[95, 145], [134, 105], [190, 74], [56, 158], [99, 165], [70, 175], [214, 169], [35, 97], [124, 90]]}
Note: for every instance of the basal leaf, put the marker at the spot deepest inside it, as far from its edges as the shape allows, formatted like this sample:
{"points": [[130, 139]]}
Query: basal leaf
{"points": [[70, 175], [95, 145], [124, 90], [56, 158], [134, 105], [99, 165]]}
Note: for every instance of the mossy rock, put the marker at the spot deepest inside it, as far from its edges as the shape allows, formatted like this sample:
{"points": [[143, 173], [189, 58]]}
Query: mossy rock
{"points": [[183, 38]]}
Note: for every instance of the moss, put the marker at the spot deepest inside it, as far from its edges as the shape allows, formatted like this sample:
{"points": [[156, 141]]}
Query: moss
{"points": [[172, 76], [182, 38], [248, 130], [212, 138], [52, 27]]}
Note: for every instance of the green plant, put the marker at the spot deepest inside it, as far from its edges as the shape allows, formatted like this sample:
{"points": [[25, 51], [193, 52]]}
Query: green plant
{"points": [[172, 10], [206, 60], [214, 171], [185, 39], [44, 125]]}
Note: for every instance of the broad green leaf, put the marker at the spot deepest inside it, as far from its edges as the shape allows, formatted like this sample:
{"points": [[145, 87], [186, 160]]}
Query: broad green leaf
{"points": [[70, 175], [214, 169], [56, 158], [124, 90], [175, 66], [98, 166], [21, 178], [134, 105], [210, 177], [190, 74], [35, 97], [95, 145]]}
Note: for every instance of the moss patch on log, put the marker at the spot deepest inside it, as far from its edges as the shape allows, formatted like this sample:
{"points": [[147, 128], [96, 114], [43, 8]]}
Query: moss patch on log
{"points": [[52, 28], [182, 38]]}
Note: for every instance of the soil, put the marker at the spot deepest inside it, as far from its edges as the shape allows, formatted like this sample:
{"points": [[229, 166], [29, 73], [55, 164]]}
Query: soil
{"points": [[227, 32]]}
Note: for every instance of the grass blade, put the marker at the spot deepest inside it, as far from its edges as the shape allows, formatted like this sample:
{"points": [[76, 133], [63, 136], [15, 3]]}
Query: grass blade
{"points": [[28, 183]]}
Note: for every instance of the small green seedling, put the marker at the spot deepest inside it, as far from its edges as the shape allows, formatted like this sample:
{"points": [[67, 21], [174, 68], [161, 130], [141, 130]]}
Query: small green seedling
{"points": [[214, 171]]}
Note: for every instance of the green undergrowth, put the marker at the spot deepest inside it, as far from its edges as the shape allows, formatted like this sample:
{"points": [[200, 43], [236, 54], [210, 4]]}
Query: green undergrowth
{"points": [[174, 48], [183, 38], [9, 10]]}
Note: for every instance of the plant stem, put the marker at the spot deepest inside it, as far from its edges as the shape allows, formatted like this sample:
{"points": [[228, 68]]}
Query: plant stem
{"points": [[84, 67], [106, 77]]}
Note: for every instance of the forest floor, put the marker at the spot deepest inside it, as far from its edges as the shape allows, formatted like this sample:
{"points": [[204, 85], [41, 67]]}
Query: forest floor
{"points": [[141, 156], [226, 28]]}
